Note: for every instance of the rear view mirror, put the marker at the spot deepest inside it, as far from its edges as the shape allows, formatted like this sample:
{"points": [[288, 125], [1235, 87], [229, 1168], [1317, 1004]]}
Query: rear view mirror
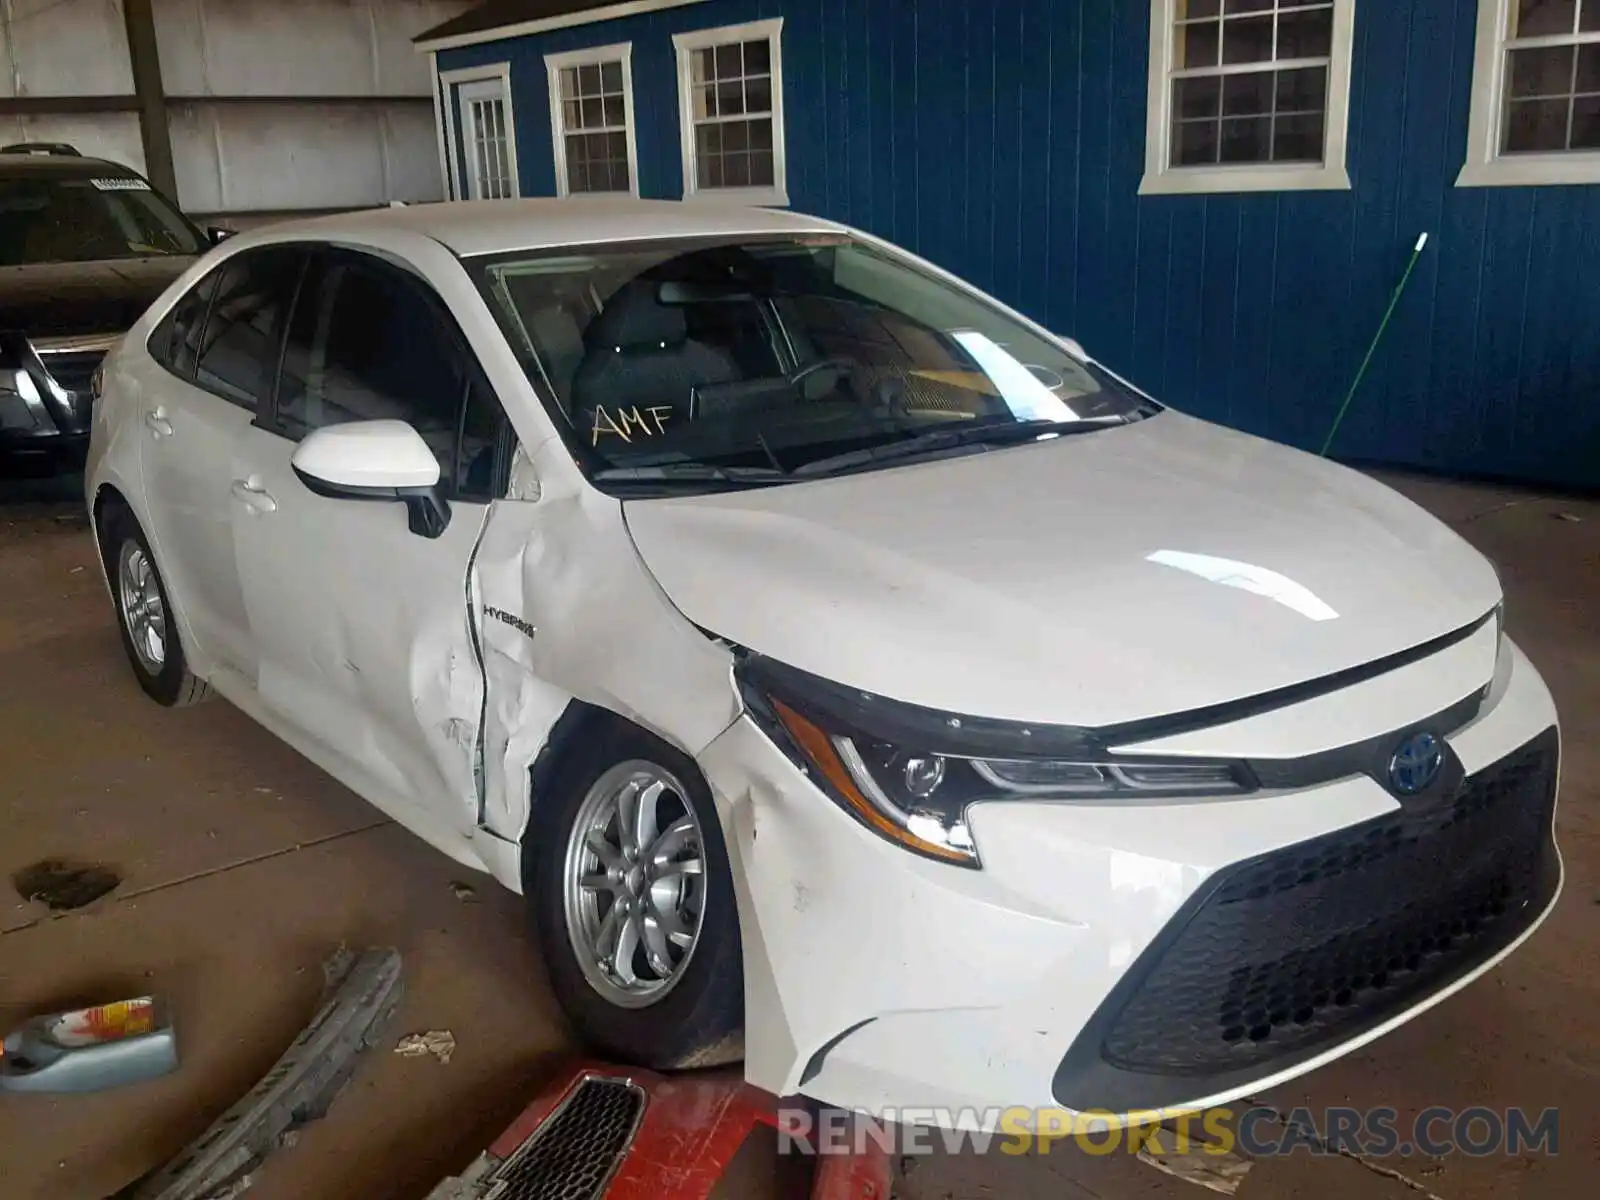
{"points": [[375, 460]]}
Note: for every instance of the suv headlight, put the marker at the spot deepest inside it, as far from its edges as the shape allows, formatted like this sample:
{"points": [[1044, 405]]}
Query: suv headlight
{"points": [[910, 774]]}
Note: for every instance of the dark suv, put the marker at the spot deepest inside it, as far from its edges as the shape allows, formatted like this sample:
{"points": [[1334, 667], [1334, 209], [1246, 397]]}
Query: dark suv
{"points": [[85, 246]]}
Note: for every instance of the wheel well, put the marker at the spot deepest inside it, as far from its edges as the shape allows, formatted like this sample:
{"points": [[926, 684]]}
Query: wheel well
{"points": [[580, 718], [107, 499]]}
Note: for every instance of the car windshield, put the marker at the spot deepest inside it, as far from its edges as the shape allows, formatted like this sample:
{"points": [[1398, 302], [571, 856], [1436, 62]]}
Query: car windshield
{"points": [[733, 362], [88, 219]]}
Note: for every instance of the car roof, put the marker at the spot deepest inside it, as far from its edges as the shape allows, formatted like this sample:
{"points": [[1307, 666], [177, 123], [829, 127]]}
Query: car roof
{"points": [[15, 165], [474, 227]]}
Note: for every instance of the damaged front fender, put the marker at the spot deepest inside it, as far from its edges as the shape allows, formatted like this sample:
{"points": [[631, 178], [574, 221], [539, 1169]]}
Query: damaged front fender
{"points": [[567, 611]]}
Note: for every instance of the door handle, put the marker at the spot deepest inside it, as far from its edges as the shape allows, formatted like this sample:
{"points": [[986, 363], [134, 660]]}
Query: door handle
{"points": [[254, 497], [156, 419]]}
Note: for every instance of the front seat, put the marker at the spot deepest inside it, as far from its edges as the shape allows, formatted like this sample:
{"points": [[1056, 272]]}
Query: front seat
{"points": [[638, 354]]}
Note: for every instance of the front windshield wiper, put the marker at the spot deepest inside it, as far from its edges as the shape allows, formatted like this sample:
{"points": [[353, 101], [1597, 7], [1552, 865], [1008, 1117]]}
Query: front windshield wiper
{"points": [[689, 472], [998, 433]]}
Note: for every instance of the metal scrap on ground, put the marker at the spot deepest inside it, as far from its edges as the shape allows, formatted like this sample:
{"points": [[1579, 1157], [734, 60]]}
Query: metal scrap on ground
{"points": [[360, 996]]}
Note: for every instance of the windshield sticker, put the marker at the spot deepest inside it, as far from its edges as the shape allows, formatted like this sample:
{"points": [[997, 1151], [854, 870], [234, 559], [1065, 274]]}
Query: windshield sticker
{"points": [[628, 421], [121, 185]]}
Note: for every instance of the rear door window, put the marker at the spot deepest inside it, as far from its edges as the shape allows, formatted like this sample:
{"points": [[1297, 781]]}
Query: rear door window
{"points": [[241, 345], [177, 338]]}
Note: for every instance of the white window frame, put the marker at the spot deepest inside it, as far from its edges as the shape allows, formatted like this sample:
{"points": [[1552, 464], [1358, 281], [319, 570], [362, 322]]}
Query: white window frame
{"points": [[450, 82], [1162, 179], [777, 196], [1485, 165], [553, 65]]}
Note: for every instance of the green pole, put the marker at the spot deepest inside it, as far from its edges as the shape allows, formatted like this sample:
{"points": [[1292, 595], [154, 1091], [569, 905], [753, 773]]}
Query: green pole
{"points": [[1366, 362]]}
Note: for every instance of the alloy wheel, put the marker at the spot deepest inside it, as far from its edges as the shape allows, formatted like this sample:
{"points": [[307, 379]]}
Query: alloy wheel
{"points": [[634, 883], [144, 615]]}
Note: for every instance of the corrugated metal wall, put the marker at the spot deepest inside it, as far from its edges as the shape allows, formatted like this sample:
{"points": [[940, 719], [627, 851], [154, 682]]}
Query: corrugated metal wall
{"points": [[68, 48], [242, 142], [1006, 142], [273, 107]]}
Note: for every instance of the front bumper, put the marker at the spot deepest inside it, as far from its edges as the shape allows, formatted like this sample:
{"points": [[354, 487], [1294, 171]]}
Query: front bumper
{"points": [[1121, 959], [45, 403]]}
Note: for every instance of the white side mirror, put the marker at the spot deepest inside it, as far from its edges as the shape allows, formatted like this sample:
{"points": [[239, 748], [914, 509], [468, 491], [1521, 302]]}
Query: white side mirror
{"points": [[1075, 349], [375, 460]]}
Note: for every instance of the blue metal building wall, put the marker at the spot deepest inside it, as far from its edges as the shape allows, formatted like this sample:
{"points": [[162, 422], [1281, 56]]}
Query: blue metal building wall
{"points": [[1005, 141]]}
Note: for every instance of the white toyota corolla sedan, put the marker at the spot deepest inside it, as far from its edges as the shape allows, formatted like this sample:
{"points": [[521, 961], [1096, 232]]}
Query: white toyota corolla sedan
{"points": [[853, 675]]}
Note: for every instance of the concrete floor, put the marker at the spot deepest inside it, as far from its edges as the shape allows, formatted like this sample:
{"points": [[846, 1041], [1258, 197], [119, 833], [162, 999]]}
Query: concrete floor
{"points": [[243, 866]]}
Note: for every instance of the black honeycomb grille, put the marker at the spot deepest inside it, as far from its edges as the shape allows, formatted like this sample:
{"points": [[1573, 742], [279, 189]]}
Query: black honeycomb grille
{"points": [[574, 1153], [1293, 949]]}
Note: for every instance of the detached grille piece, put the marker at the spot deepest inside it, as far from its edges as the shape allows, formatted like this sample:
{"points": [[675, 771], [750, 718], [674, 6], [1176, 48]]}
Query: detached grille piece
{"points": [[576, 1150], [1292, 951]]}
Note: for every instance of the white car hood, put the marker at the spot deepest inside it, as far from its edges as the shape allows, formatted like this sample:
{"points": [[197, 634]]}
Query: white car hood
{"points": [[1056, 582]]}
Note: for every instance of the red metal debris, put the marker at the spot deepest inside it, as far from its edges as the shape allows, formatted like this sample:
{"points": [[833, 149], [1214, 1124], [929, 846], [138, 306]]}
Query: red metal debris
{"points": [[691, 1128]]}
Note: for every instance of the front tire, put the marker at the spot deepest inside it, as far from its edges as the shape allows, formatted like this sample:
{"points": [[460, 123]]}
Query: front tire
{"points": [[630, 892], [144, 615]]}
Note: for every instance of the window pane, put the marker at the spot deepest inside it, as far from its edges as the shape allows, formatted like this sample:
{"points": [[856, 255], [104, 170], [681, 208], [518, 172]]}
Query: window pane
{"points": [[240, 356], [1247, 139], [762, 171], [1297, 139], [1586, 123], [701, 65], [1190, 9], [761, 134], [1197, 96], [1534, 125], [705, 103], [1540, 18], [1588, 69], [1305, 34], [758, 95], [569, 83], [730, 98], [616, 113], [187, 324], [593, 113], [611, 76], [480, 436], [1244, 6], [1196, 45], [1589, 22], [577, 167], [736, 169], [758, 58], [735, 136], [1247, 95], [589, 79], [1195, 143], [710, 171], [1542, 72], [374, 348], [1303, 90], [708, 139], [729, 61], [1247, 40]]}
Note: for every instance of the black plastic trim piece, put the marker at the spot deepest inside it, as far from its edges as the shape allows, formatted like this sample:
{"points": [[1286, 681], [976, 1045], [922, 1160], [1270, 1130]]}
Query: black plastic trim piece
{"points": [[813, 1066], [427, 511], [1085, 1082], [1296, 693]]}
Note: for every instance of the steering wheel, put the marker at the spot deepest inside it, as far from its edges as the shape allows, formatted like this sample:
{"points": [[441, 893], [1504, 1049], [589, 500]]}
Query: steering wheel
{"points": [[806, 372]]}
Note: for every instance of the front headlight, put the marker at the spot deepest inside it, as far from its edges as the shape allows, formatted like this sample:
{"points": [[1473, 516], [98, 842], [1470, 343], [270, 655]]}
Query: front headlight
{"points": [[910, 774]]}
